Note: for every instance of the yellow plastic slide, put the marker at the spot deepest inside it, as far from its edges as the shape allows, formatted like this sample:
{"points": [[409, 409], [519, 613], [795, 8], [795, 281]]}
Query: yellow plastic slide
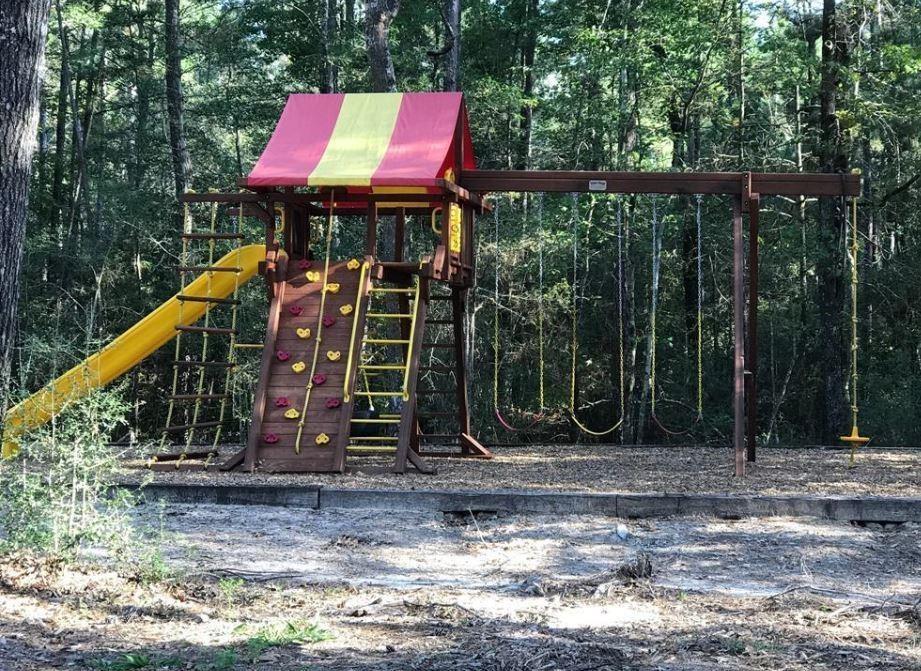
{"points": [[130, 348]]}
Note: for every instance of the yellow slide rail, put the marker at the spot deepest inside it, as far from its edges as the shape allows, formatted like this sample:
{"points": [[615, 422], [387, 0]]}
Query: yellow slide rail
{"points": [[131, 347]]}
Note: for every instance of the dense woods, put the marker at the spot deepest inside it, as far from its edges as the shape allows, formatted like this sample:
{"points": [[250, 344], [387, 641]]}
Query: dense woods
{"points": [[141, 99]]}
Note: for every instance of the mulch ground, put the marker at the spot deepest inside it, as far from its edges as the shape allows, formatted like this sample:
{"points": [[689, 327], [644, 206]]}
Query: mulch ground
{"points": [[603, 468]]}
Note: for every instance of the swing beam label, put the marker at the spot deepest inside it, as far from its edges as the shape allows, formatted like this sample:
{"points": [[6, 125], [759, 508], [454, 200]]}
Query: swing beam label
{"points": [[597, 185]]}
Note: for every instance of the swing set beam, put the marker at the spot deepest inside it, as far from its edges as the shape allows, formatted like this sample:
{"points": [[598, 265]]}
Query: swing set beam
{"points": [[746, 190]]}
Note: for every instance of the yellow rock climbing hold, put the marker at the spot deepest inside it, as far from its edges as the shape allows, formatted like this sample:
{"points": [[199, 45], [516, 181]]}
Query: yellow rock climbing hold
{"points": [[334, 355], [354, 264], [345, 310], [333, 287], [313, 275], [299, 367], [292, 413], [322, 439], [303, 333]]}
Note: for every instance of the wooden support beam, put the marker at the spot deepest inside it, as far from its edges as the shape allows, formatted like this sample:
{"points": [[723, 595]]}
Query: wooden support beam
{"points": [[751, 335], [728, 183], [738, 324]]}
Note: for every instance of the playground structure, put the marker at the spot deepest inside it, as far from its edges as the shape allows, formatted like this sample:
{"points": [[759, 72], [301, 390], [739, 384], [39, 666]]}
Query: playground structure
{"points": [[344, 336]]}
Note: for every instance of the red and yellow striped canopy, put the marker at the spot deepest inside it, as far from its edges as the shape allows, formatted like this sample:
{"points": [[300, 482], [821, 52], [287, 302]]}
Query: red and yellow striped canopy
{"points": [[366, 140]]}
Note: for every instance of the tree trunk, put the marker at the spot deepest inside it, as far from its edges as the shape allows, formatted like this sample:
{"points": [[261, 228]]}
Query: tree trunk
{"points": [[452, 14], [832, 225], [182, 165], [330, 26], [528, 50], [379, 14], [23, 29]]}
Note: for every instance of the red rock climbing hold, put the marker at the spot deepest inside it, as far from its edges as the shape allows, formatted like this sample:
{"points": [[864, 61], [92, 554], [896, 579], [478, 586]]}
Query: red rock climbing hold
{"points": [[282, 355], [270, 438], [319, 379], [328, 321], [332, 403], [296, 310], [304, 264], [282, 402]]}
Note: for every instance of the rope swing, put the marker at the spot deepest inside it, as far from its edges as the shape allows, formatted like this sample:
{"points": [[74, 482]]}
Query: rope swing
{"points": [[540, 326], [574, 345], [658, 229]]}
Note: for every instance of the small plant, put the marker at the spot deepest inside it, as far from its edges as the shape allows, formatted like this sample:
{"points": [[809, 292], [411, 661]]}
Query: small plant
{"points": [[151, 567], [288, 633], [230, 590], [127, 662], [224, 659]]}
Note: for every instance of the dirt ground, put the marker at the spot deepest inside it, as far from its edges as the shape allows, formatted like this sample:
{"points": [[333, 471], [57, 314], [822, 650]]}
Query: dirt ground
{"points": [[600, 468], [401, 591]]}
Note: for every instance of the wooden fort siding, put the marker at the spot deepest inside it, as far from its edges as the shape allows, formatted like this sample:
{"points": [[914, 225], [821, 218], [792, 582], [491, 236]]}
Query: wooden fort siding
{"points": [[283, 381]]}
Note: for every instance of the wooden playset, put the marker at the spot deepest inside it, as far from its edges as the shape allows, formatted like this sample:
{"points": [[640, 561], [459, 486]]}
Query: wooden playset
{"points": [[342, 357]]}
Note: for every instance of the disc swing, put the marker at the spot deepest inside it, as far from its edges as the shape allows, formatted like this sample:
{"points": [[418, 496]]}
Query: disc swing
{"points": [[537, 417], [574, 345], [855, 440], [658, 228]]}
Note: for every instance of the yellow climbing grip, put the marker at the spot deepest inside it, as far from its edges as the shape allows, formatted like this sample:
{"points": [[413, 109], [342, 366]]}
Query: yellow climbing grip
{"points": [[303, 333], [354, 264], [299, 367], [313, 275], [322, 439], [292, 413], [333, 287], [334, 355], [345, 309]]}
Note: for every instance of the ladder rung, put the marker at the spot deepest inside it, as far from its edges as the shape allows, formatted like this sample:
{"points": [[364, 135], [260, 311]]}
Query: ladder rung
{"points": [[387, 315], [371, 448], [205, 364], [391, 290], [209, 269], [442, 345], [389, 415], [378, 393], [213, 236], [387, 438], [248, 345], [186, 427], [208, 299], [386, 341], [383, 366], [375, 421], [206, 329], [198, 397]]}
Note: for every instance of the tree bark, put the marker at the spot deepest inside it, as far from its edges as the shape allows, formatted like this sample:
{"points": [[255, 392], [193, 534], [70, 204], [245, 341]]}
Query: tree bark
{"points": [[330, 31], [379, 14], [832, 225], [452, 14], [23, 29], [182, 164], [528, 49]]}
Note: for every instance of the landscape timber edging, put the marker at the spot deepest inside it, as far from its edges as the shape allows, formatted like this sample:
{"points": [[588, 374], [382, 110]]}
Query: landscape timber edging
{"points": [[626, 505]]}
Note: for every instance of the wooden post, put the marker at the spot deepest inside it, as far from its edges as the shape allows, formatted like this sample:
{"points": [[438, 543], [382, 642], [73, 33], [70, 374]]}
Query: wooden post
{"points": [[399, 234], [458, 305], [408, 416], [751, 336], [738, 323], [371, 235]]}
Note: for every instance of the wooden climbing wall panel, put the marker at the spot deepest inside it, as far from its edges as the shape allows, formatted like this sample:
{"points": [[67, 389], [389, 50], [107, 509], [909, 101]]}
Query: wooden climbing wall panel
{"points": [[291, 364]]}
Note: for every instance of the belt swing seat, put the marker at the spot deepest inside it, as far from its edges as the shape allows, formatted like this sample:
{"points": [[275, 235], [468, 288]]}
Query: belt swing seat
{"points": [[658, 228]]}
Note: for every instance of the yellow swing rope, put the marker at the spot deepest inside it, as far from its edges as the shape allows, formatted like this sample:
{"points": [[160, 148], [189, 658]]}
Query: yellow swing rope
{"points": [[319, 338], [657, 233], [540, 321], [855, 440], [574, 345]]}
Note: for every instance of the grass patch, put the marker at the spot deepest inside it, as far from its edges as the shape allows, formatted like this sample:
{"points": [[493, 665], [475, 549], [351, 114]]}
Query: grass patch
{"points": [[292, 632]]}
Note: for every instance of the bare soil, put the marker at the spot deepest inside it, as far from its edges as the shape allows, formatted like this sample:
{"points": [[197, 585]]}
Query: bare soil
{"points": [[425, 591], [604, 468]]}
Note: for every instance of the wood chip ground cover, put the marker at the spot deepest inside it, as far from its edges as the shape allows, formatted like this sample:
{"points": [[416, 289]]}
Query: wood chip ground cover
{"points": [[605, 468], [384, 591]]}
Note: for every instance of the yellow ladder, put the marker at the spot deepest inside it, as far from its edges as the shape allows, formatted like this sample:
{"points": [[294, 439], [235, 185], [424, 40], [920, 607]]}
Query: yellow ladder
{"points": [[377, 363]]}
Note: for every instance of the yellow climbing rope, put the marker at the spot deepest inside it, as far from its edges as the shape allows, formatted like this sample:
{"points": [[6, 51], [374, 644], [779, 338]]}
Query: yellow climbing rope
{"points": [[318, 341], [855, 440], [574, 344]]}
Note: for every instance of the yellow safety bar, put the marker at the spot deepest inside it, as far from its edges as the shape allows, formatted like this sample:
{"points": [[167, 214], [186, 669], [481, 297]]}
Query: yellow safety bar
{"points": [[346, 395]]}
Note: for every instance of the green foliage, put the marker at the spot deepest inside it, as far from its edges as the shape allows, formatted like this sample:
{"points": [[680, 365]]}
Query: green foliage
{"points": [[292, 632], [230, 590], [58, 494]]}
